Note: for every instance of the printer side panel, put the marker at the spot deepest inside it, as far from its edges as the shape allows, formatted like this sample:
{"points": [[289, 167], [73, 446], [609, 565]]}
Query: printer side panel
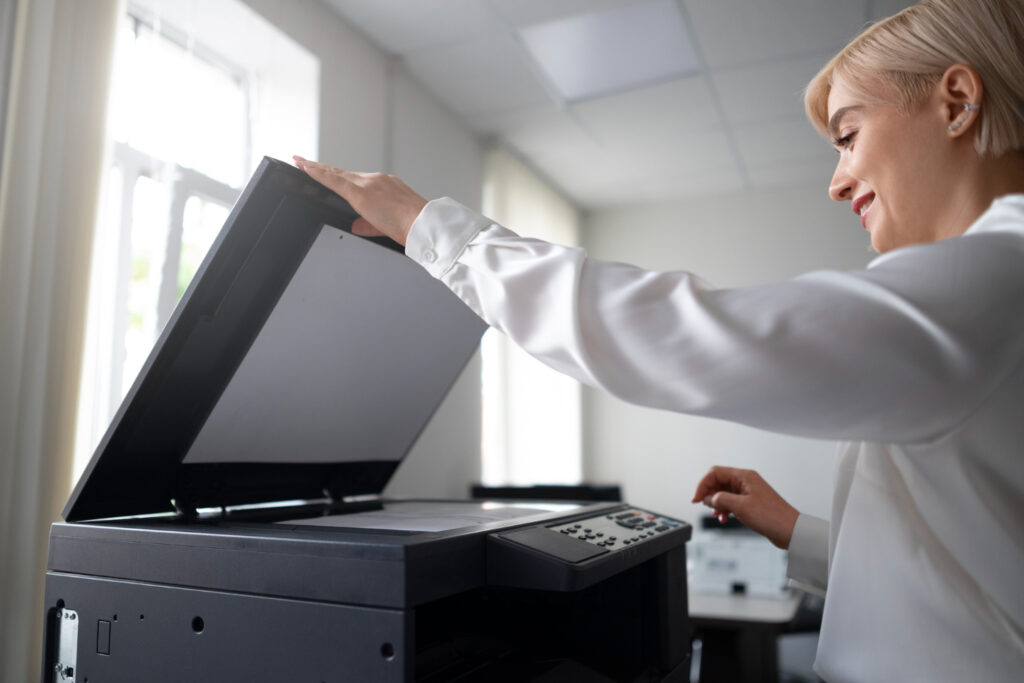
{"points": [[132, 631]]}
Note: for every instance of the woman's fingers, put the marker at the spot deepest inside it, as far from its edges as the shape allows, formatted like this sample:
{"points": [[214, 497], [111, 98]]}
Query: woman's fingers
{"points": [[328, 176], [388, 205], [744, 494], [718, 479], [724, 503]]}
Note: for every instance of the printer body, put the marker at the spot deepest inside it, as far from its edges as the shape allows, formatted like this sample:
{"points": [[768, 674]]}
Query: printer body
{"points": [[230, 525]]}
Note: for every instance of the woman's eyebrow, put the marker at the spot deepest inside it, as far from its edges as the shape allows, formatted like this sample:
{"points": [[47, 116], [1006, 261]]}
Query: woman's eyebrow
{"points": [[833, 123]]}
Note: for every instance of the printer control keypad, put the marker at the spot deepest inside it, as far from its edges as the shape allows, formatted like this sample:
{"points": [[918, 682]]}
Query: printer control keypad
{"points": [[622, 529]]}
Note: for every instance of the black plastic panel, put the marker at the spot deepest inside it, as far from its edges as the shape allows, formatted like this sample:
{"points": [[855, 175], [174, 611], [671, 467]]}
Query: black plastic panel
{"points": [[163, 633]]}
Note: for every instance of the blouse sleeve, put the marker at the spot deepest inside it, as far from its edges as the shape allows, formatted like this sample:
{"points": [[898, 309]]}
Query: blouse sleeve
{"points": [[807, 562], [899, 352]]}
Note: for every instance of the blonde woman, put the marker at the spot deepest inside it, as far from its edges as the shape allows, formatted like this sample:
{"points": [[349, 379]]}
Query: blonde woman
{"points": [[916, 363]]}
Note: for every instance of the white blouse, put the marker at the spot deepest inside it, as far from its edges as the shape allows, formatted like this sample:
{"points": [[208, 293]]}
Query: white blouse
{"points": [[916, 362]]}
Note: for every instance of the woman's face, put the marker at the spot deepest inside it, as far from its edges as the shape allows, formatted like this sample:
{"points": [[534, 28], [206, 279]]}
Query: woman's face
{"points": [[893, 167]]}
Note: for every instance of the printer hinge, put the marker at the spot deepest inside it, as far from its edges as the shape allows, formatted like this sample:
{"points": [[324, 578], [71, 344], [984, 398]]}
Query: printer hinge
{"points": [[183, 511]]}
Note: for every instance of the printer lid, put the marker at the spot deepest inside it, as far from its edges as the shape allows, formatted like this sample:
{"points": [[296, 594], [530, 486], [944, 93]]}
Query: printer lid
{"points": [[302, 362]]}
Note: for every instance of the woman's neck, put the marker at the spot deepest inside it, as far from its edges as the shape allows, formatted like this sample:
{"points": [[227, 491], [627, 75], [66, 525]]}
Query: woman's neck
{"points": [[989, 179]]}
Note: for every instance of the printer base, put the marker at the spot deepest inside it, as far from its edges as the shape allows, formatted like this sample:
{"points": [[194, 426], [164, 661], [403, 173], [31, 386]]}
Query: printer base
{"points": [[631, 627]]}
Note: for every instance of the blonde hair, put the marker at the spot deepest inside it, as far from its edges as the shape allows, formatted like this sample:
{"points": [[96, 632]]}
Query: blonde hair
{"points": [[911, 50]]}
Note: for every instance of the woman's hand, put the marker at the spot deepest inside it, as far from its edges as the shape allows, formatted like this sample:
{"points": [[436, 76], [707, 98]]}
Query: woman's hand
{"points": [[747, 496], [385, 204]]}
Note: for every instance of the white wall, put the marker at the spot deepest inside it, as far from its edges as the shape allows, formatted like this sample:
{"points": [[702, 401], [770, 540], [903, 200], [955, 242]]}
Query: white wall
{"points": [[437, 157], [373, 117], [731, 240]]}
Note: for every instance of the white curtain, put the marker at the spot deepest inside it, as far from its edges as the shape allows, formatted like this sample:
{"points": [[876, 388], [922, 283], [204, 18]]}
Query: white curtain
{"points": [[53, 146], [531, 414]]}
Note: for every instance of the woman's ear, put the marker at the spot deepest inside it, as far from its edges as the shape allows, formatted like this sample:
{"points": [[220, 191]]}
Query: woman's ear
{"points": [[959, 93]]}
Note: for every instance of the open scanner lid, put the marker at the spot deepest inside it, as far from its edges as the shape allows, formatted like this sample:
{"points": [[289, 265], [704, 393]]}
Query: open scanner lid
{"points": [[302, 361]]}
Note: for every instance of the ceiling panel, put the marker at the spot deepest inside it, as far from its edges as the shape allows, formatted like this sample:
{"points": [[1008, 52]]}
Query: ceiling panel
{"points": [[816, 174], [740, 32], [400, 26], [583, 56], [656, 112], [631, 167], [545, 132], [781, 142], [485, 74], [606, 194], [739, 124], [686, 153], [526, 12], [766, 91]]}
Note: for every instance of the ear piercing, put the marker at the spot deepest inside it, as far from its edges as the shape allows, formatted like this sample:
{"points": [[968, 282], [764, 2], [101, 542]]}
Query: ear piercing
{"points": [[963, 119]]}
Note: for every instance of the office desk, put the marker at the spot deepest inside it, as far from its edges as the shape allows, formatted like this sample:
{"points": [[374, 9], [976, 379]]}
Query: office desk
{"points": [[738, 635]]}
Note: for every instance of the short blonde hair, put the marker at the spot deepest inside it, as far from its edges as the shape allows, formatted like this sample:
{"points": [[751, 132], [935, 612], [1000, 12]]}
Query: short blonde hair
{"points": [[911, 50]]}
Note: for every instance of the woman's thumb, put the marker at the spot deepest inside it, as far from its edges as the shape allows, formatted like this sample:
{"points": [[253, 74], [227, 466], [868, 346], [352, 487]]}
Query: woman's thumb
{"points": [[723, 501]]}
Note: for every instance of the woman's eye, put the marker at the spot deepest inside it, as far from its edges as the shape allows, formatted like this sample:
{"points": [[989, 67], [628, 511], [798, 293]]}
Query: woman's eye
{"points": [[843, 142]]}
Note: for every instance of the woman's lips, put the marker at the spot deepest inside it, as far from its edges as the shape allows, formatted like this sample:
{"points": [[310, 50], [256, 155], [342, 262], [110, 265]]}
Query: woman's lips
{"points": [[862, 205]]}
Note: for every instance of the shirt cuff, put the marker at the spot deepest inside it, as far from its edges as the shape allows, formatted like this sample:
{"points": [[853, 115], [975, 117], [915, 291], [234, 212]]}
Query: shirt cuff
{"points": [[440, 234], [808, 552]]}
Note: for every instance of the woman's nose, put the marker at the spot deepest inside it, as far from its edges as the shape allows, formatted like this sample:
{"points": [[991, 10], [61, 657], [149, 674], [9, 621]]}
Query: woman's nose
{"points": [[841, 186]]}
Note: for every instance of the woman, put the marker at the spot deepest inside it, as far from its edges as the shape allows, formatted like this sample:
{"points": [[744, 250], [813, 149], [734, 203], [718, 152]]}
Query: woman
{"points": [[916, 363]]}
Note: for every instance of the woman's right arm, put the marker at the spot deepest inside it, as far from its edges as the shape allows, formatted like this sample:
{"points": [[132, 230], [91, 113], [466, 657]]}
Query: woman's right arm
{"points": [[897, 353], [900, 352]]}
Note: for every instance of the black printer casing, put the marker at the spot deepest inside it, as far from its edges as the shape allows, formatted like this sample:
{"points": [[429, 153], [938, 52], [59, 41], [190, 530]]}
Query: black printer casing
{"points": [[171, 569]]}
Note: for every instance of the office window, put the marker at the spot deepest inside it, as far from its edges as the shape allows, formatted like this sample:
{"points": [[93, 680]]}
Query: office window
{"points": [[194, 107], [531, 414]]}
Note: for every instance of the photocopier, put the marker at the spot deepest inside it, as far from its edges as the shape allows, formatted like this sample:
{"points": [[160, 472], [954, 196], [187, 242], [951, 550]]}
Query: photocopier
{"points": [[230, 525]]}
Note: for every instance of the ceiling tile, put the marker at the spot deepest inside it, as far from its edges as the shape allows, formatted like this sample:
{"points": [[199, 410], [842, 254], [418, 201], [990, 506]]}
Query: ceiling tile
{"points": [[540, 133], [687, 153], [816, 174], [656, 112], [766, 91], [651, 45], [780, 142], [486, 74], [525, 12], [753, 31], [675, 167], [656, 143], [661, 189], [401, 27]]}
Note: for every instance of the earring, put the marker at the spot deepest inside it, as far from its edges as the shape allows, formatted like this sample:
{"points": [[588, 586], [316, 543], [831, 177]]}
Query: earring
{"points": [[963, 119]]}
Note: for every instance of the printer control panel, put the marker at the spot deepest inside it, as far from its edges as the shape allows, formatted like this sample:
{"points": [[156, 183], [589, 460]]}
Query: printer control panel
{"points": [[618, 530], [570, 554]]}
